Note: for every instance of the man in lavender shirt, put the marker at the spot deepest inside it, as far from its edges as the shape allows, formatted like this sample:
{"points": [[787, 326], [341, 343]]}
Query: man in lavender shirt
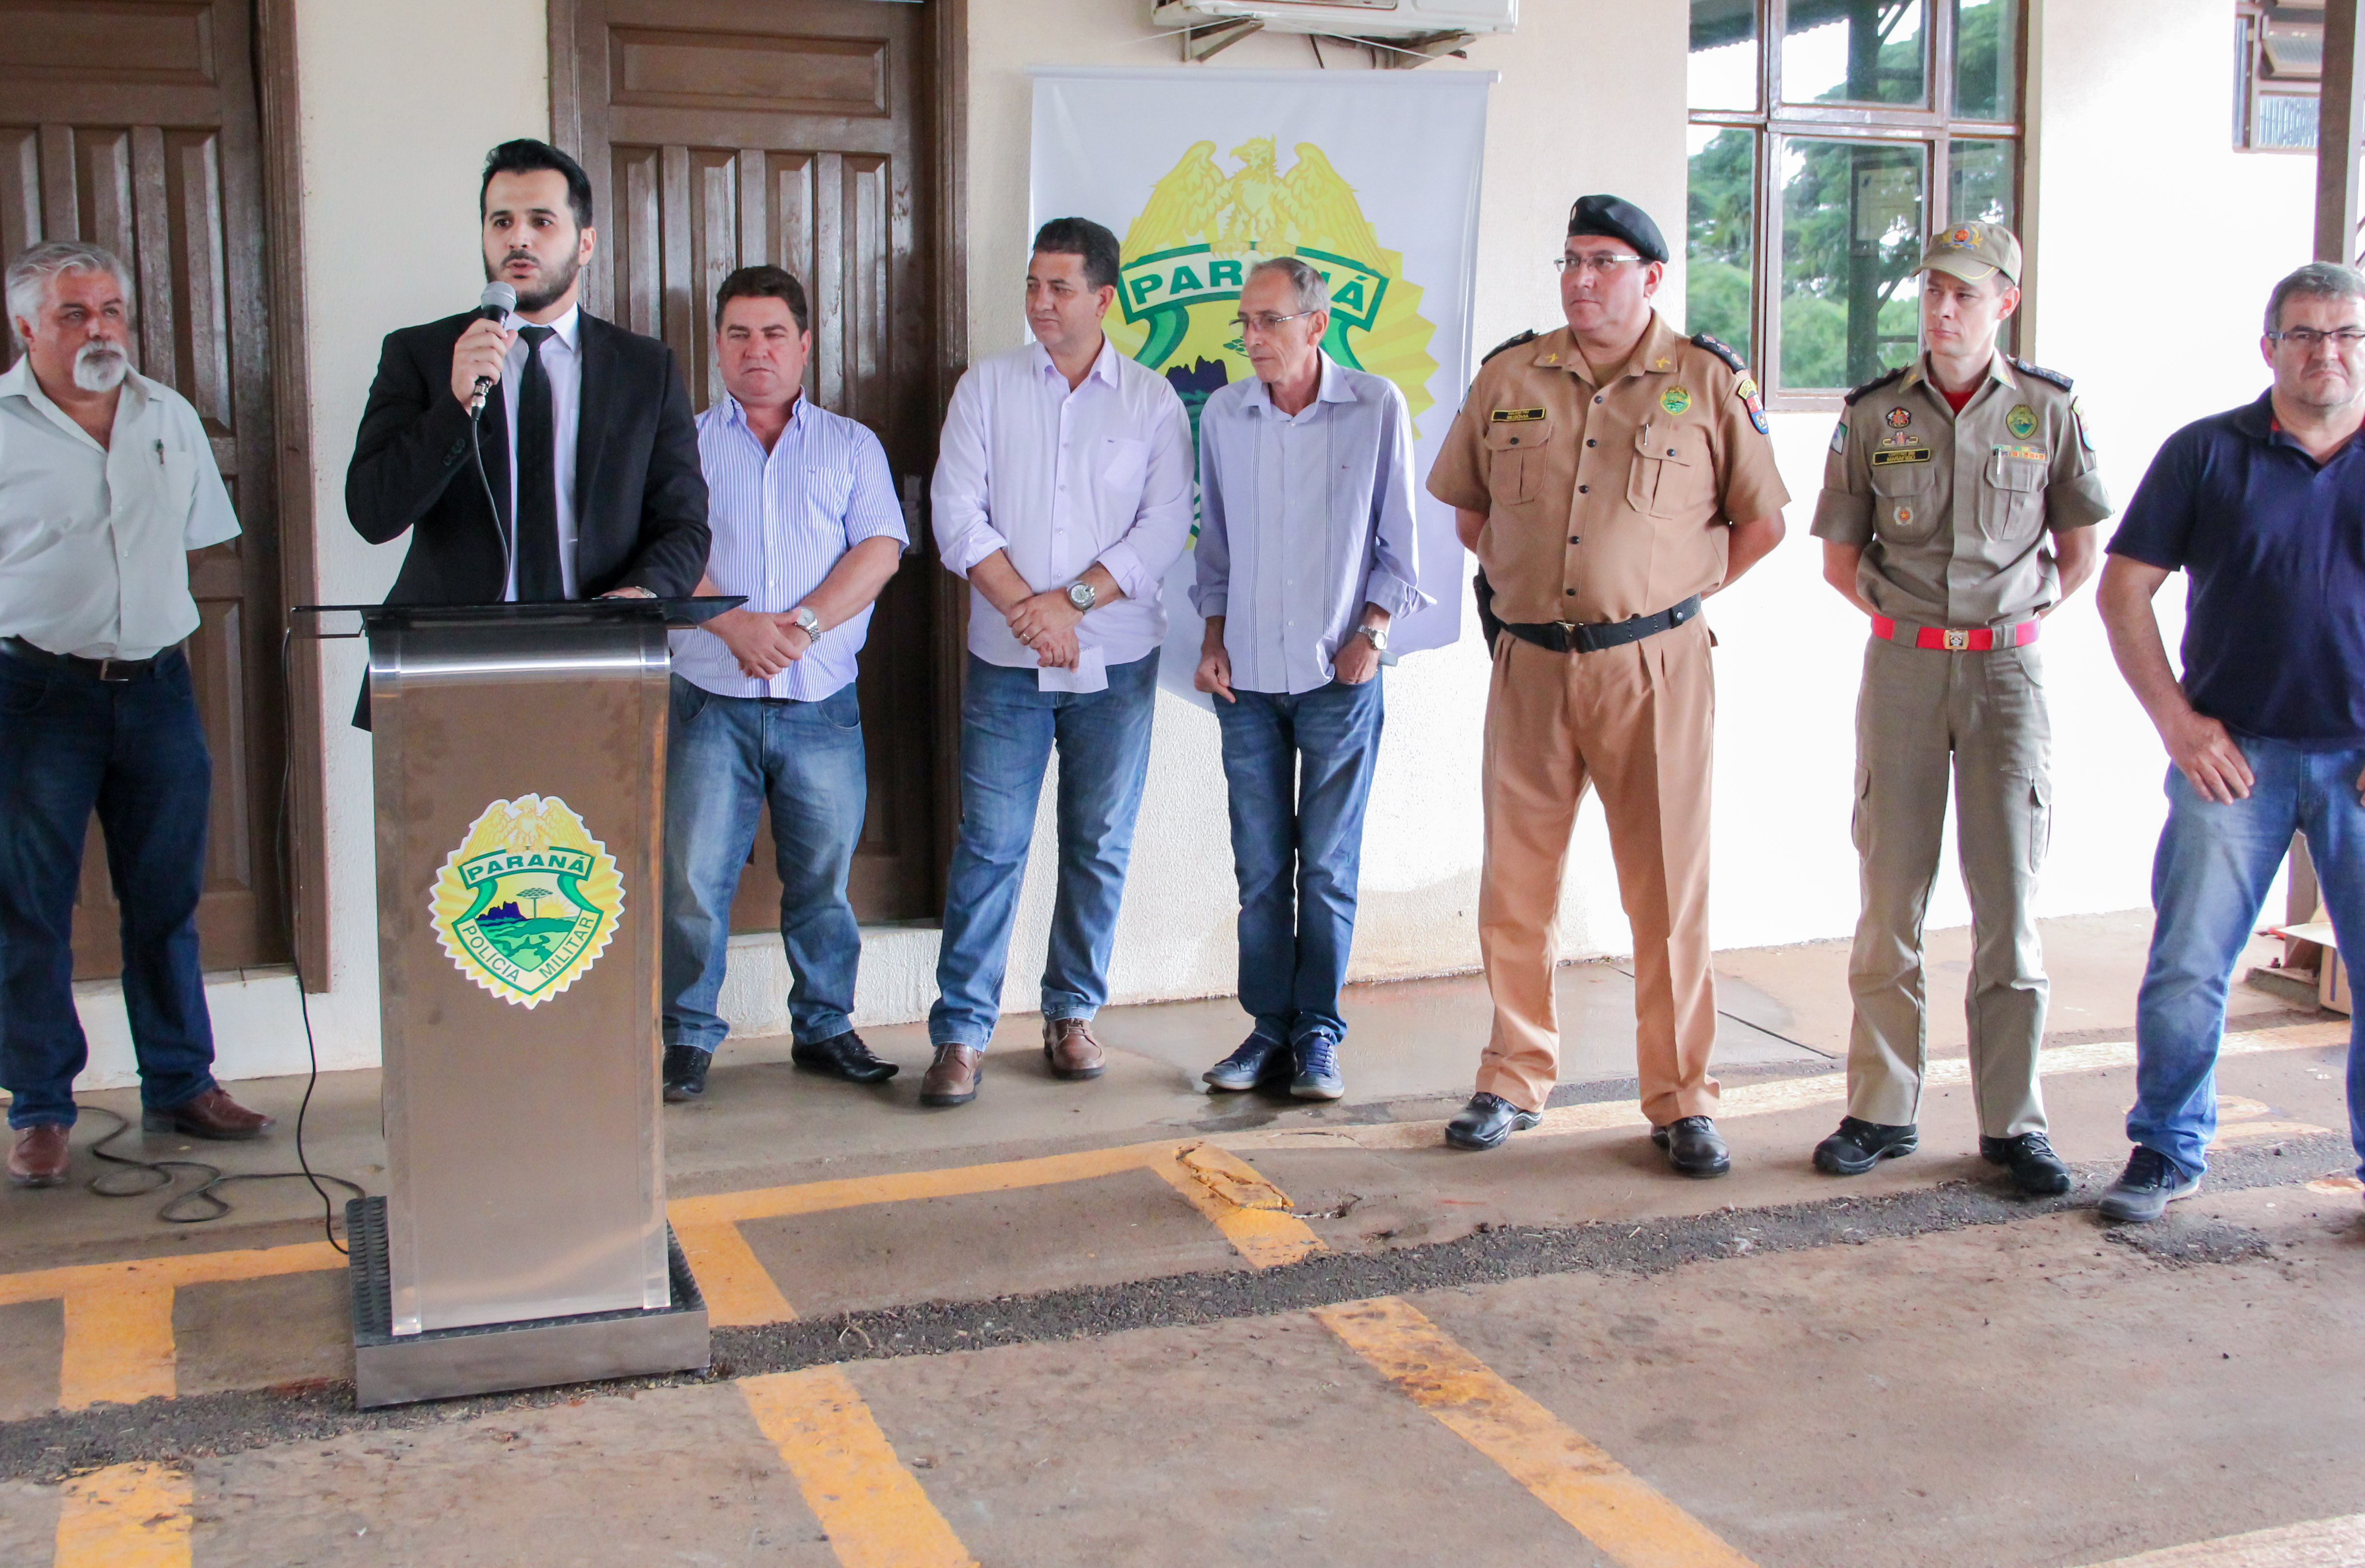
{"points": [[1062, 493], [1306, 556], [806, 526]]}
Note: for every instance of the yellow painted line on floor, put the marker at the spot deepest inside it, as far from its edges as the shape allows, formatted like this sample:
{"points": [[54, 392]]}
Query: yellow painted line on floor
{"points": [[1822, 1089], [1625, 1516], [738, 1289], [2320, 1543], [127, 1515], [1250, 1211], [855, 1192], [119, 1346], [876, 1514], [184, 1269]]}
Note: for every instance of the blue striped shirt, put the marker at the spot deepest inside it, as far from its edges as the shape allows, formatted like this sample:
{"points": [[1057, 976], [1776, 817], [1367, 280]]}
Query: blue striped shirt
{"points": [[781, 520]]}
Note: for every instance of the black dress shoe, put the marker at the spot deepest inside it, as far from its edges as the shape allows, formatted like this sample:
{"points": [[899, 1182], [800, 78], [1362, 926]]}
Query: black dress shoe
{"points": [[2036, 1168], [1693, 1147], [685, 1074], [1860, 1145], [1487, 1120], [843, 1056]]}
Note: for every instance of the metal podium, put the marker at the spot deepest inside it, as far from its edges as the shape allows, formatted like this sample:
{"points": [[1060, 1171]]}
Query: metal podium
{"points": [[519, 759]]}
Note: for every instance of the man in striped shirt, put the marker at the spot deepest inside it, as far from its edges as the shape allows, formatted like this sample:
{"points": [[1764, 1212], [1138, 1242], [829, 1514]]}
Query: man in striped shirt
{"points": [[806, 526]]}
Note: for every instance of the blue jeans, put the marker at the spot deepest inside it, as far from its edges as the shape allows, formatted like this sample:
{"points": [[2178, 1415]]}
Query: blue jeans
{"points": [[2208, 883], [1008, 728], [726, 758], [1298, 770], [135, 752]]}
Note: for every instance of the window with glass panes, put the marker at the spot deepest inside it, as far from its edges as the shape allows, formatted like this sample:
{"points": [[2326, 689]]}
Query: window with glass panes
{"points": [[1820, 132]]}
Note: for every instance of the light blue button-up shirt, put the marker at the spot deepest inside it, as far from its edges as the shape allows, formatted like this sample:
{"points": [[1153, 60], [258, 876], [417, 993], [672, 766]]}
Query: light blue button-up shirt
{"points": [[781, 520], [1304, 520]]}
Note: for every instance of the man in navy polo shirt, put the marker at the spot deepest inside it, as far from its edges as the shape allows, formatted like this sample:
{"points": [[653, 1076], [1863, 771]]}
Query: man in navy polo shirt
{"points": [[2263, 508]]}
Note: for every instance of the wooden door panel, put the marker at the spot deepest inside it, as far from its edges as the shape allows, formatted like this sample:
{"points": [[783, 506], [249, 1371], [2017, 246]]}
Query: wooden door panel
{"points": [[135, 125], [720, 133]]}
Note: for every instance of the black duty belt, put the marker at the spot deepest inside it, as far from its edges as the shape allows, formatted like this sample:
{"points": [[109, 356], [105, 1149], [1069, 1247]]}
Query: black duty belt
{"points": [[110, 670], [1567, 638]]}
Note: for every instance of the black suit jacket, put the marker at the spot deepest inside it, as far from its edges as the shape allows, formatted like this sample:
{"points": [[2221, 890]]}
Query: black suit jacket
{"points": [[640, 499]]}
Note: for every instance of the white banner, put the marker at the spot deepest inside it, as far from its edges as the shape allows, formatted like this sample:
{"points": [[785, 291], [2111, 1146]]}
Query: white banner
{"points": [[1371, 175]]}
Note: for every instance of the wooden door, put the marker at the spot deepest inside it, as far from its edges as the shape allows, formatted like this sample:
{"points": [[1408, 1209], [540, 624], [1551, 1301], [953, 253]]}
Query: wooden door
{"points": [[721, 133], [135, 125]]}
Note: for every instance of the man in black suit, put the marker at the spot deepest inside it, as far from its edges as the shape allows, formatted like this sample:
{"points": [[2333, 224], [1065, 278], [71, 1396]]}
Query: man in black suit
{"points": [[607, 500]]}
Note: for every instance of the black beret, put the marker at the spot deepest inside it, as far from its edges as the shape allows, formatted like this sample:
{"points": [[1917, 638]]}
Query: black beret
{"points": [[1618, 219]]}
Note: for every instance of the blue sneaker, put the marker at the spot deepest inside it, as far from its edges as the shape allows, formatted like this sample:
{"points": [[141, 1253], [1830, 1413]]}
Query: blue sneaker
{"points": [[2151, 1182], [1318, 1069], [1257, 1059]]}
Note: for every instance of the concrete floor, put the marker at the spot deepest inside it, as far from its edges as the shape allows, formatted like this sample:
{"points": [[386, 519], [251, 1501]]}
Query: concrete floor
{"points": [[1912, 1367]]}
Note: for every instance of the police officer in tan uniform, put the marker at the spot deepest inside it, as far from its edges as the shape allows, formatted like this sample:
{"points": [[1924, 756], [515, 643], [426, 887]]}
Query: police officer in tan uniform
{"points": [[1609, 474], [1958, 507]]}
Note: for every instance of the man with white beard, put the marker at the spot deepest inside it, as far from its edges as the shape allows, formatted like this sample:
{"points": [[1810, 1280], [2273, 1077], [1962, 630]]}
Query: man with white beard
{"points": [[106, 483]]}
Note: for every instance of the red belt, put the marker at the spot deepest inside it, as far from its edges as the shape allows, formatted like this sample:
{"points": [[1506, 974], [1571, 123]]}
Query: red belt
{"points": [[1978, 640]]}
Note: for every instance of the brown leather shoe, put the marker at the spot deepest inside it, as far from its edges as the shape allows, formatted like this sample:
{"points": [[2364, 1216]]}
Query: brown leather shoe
{"points": [[1069, 1047], [37, 1156], [213, 1114], [952, 1078]]}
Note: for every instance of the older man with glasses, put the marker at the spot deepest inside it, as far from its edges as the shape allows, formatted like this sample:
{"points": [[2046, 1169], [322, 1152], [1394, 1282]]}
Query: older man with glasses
{"points": [[2263, 508], [1306, 555]]}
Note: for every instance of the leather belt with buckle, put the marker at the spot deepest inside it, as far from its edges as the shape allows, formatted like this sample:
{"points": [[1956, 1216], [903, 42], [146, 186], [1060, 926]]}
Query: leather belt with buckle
{"points": [[1568, 637], [1974, 640], [110, 670]]}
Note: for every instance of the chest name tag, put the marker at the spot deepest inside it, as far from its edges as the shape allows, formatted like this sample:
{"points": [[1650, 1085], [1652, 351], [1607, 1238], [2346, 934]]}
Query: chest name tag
{"points": [[1901, 454], [1517, 415], [2024, 454]]}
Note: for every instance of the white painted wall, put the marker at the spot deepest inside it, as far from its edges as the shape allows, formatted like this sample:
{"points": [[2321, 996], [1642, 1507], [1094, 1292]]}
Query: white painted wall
{"points": [[2130, 100]]}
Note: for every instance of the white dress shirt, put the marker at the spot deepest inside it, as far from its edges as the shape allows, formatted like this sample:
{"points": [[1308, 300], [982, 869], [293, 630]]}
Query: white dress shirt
{"points": [[92, 539], [1058, 480], [562, 362], [1303, 519], [782, 520]]}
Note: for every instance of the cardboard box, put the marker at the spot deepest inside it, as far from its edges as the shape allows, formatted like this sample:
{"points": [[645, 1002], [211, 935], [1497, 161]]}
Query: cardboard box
{"points": [[2332, 975]]}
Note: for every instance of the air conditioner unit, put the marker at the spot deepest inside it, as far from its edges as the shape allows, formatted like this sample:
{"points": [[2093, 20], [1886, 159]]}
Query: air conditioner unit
{"points": [[1346, 18]]}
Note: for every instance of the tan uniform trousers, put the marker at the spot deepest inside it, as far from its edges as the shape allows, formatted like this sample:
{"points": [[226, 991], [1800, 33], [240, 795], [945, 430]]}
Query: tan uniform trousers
{"points": [[1637, 724], [1924, 713]]}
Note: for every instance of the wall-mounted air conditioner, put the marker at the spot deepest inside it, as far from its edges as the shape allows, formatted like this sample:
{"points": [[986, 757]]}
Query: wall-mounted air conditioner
{"points": [[1422, 20]]}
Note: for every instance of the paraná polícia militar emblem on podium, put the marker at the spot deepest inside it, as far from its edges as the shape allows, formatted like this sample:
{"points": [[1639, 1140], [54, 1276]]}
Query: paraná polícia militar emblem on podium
{"points": [[528, 902]]}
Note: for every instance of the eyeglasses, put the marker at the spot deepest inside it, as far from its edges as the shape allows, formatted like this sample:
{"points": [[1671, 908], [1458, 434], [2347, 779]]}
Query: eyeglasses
{"points": [[1605, 265], [1265, 322], [2344, 339]]}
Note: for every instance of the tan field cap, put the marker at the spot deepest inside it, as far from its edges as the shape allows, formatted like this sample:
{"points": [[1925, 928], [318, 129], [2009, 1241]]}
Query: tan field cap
{"points": [[1972, 250]]}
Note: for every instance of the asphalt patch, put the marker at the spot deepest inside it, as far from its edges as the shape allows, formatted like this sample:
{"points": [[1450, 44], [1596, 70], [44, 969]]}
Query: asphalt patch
{"points": [[171, 1431], [2184, 1240]]}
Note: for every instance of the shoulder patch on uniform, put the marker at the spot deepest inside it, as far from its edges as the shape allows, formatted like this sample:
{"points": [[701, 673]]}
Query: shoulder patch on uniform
{"points": [[2041, 374], [1704, 341], [1877, 384], [1527, 337]]}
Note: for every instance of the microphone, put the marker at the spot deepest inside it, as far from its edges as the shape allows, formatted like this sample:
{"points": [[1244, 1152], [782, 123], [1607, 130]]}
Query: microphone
{"points": [[498, 300]]}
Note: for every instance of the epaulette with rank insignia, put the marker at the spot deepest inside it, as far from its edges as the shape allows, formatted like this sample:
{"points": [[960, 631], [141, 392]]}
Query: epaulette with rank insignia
{"points": [[1704, 341], [2041, 374], [1877, 384], [1527, 337]]}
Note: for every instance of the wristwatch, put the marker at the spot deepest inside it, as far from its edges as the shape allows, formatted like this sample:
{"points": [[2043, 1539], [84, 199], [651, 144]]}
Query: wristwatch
{"points": [[1081, 595], [807, 622], [1376, 636]]}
